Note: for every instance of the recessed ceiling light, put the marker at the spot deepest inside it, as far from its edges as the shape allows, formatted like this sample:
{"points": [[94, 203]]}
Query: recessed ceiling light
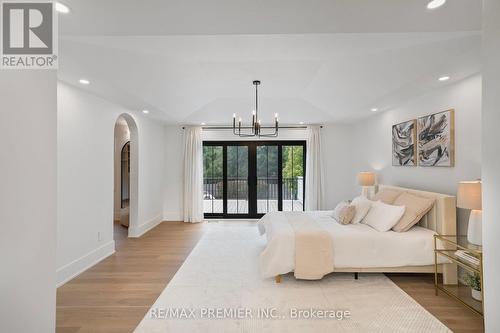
{"points": [[203, 124], [435, 4], [145, 111], [444, 78], [374, 109], [84, 81], [302, 123], [62, 8]]}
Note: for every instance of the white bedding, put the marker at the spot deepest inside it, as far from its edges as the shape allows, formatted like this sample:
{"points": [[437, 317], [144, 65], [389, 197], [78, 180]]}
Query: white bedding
{"points": [[354, 245]]}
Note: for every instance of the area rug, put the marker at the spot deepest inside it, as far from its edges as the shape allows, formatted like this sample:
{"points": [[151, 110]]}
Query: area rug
{"points": [[218, 289]]}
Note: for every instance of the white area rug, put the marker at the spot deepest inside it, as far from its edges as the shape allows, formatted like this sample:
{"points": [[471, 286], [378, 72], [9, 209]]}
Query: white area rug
{"points": [[221, 274]]}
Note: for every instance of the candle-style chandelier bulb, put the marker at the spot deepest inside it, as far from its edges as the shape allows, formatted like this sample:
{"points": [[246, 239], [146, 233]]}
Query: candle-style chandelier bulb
{"points": [[256, 127]]}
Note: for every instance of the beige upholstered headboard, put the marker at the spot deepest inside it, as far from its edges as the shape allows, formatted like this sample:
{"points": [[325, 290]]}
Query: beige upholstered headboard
{"points": [[442, 217]]}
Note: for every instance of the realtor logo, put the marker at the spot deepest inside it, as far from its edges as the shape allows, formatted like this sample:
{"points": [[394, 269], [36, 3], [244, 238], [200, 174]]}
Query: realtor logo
{"points": [[29, 38]]}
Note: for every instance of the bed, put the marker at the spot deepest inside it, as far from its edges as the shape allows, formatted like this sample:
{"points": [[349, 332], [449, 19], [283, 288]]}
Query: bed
{"points": [[360, 248]]}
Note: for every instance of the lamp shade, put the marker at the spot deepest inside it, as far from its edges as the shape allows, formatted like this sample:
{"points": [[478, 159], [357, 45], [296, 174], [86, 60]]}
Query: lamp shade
{"points": [[366, 178], [469, 195]]}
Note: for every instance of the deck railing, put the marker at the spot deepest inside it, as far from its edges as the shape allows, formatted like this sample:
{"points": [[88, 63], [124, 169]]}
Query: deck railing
{"points": [[267, 188]]}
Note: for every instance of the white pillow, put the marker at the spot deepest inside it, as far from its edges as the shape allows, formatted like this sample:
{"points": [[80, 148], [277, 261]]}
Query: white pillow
{"points": [[362, 205], [383, 217]]}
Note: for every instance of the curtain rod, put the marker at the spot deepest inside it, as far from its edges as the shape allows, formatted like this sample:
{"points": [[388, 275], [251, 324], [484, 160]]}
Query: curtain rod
{"points": [[215, 127]]}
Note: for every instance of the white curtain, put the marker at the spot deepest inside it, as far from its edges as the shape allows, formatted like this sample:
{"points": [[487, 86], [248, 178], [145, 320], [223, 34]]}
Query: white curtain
{"points": [[193, 175], [314, 170]]}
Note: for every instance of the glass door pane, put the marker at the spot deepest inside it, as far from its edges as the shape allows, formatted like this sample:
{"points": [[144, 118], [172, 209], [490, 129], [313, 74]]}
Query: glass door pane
{"points": [[237, 180], [213, 179], [267, 179], [293, 178]]}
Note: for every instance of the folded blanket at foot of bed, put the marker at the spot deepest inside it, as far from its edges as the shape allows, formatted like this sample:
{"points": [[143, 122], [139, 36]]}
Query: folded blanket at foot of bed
{"points": [[295, 239], [313, 248]]}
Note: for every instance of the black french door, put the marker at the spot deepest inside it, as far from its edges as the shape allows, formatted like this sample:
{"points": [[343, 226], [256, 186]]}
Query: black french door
{"points": [[247, 179]]}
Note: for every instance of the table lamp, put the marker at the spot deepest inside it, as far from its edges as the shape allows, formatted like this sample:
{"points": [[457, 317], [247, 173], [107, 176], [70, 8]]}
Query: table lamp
{"points": [[367, 181], [469, 197]]}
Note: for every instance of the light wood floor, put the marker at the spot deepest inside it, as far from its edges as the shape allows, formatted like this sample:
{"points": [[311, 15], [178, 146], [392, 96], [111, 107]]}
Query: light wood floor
{"points": [[114, 295], [450, 312]]}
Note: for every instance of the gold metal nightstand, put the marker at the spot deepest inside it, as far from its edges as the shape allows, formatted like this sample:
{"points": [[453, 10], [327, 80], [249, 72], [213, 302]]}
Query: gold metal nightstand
{"points": [[448, 247]]}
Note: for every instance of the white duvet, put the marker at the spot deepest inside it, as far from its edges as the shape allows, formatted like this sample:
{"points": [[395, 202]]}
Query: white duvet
{"points": [[354, 245]]}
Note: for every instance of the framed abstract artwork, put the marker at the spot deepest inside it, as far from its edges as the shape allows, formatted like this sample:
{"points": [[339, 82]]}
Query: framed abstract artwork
{"points": [[404, 148], [436, 139]]}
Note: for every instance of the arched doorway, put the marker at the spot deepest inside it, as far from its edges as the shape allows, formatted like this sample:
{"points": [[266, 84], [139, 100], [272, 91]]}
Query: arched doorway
{"points": [[125, 177]]}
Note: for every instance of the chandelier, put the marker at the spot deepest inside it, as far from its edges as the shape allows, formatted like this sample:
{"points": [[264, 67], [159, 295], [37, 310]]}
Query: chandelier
{"points": [[256, 128]]}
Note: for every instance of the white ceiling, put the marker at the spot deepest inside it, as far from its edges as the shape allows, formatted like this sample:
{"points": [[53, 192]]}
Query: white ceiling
{"points": [[214, 17], [158, 55]]}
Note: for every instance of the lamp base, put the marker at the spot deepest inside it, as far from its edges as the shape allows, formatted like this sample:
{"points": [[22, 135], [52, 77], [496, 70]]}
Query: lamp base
{"points": [[368, 191], [475, 230]]}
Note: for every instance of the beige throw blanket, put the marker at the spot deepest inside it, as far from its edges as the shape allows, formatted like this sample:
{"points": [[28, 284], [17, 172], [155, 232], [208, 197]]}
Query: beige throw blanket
{"points": [[313, 247]]}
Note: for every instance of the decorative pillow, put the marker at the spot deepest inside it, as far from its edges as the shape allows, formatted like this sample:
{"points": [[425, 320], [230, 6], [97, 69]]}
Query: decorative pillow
{"points": [[383, 217], [339, 207], [344, 212], [416, 208], [362, 206], [387, 196]]}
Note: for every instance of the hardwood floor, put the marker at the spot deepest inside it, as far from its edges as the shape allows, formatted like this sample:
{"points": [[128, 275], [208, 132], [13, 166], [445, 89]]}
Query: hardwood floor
{"points": [[450, 312], [114, 295]]}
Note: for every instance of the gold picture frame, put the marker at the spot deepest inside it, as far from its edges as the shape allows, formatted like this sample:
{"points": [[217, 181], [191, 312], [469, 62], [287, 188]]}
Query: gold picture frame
{"points": [[436, 139]]}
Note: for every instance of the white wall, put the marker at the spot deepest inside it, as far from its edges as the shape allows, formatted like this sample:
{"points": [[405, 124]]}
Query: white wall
{"points": [[86, 177], [367, 146], [227, 135], [28, 201], [374, 139], [172, 197], [491, 162], [373, 142], [152, 152]]}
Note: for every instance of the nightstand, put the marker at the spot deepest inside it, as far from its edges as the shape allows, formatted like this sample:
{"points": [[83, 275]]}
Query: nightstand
{"points": [[469, 260]]}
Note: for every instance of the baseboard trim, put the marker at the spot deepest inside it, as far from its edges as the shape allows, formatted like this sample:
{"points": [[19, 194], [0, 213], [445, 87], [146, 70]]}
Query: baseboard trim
{"points": [[143, 228], [78, 266]]}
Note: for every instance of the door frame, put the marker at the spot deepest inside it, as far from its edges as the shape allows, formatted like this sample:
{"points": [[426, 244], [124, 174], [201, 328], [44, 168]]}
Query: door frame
{"points": [[252, 174], [122, 176]]}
